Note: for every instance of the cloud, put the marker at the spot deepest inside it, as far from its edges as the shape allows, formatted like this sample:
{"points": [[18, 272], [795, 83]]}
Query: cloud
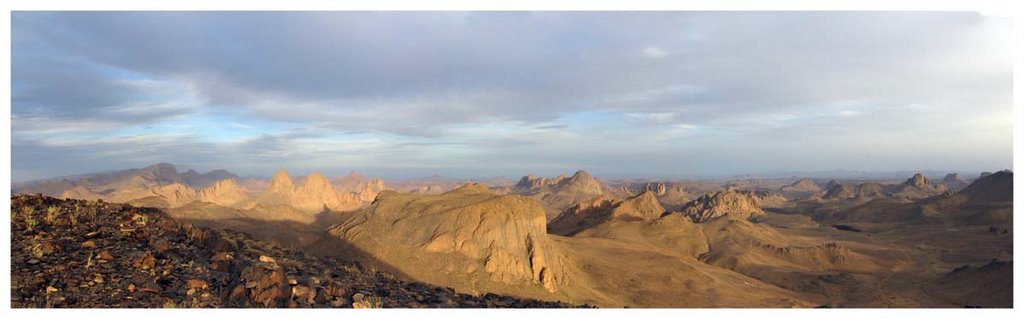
{"points": [[466, 86], [654, 52]]}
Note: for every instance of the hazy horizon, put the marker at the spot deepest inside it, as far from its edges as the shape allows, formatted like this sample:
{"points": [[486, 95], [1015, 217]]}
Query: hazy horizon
{"points": [[479, 94], [391, 175]]}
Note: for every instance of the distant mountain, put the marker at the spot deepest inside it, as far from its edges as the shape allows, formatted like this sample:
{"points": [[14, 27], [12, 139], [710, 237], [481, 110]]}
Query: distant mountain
{"points": [[988, 200], [230, 202], [150, 176], [802, 188], [559, 193], [356, 185], [599, 210], [736, 203]]}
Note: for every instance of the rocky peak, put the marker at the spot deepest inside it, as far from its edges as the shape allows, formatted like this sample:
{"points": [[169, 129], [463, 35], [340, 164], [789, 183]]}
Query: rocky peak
{"points": [[316, 180], [917, 180], [740, 204], [162, 167], [162, 173], [531, 181], [840, 191], [804, 183], [994, 187], [659, 188], [951, 178], [833, 184], [644, 206], [583, 182], [314, 193], [176, 194], [368, 191], [223, 187], [472, 188], [281, 182], [354, 175]]}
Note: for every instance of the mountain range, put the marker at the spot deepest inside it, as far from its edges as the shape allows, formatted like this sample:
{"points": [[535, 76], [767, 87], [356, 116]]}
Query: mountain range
{"points": [[578, 239]]}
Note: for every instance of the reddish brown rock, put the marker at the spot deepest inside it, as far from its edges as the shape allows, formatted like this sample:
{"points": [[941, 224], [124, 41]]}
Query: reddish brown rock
{"points": [[197, 284]]}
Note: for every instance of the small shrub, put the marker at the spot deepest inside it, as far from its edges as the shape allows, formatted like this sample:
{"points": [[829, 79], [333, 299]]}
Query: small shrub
{"points": [[88, 262], [31, 222], [37, 250], [375, 302], [367, 301], [52, 213]]}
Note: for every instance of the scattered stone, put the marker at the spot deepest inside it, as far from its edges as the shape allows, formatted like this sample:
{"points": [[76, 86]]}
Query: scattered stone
{"points": [[88, 244], [150, 288], [147, 261], [268, 259], [197, 284], [337, 303], [304, 293], [104, 255]]}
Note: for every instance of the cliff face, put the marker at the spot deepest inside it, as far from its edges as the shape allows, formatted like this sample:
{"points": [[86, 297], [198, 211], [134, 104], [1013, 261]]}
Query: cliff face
{"points": [[485, 239]]}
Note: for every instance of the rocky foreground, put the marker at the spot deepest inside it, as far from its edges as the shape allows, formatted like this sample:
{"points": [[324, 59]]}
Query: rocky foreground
{"points": [[86, 254]]}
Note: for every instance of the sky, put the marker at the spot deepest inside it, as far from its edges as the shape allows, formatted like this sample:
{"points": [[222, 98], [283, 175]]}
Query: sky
{"points": [[477, 94]]}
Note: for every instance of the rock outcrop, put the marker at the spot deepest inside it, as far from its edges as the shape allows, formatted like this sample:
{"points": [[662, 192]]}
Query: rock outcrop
{"points": [[988, 200], [558, 194], [864, 191], [532, 183], [739, 204], [225, 192], [801, 189], [467, 238], [916, 188], [314, 193], [951, 178], [917, 180], [176, 194], [659, 188], [356, 186], [587, 214], [281, 182]]}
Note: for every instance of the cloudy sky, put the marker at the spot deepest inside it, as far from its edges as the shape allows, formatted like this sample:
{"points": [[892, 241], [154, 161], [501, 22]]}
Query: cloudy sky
{"points": [[485, 94]]}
